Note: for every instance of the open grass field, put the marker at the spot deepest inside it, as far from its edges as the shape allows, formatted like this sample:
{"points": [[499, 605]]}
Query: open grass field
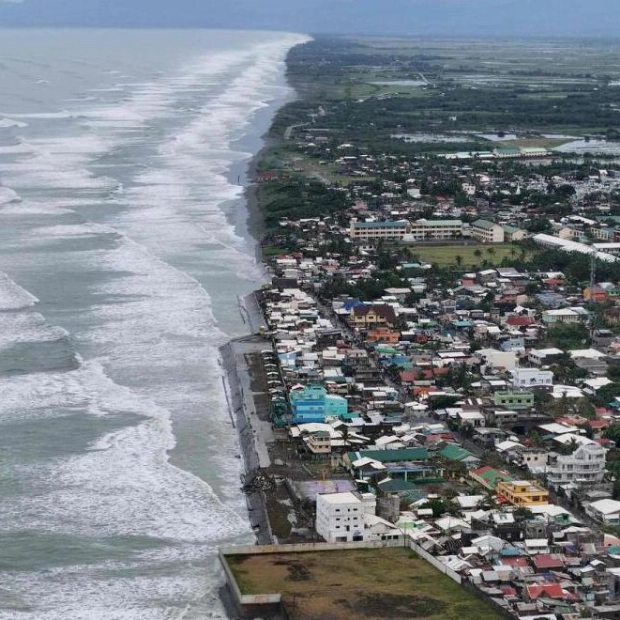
{"points": [[363, 583], [446, 255]]}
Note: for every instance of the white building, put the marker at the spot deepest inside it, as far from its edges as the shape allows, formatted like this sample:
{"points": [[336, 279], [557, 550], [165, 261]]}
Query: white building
{"points": [[340, 516], [586, 465], [531, 377], [605, 510], [540, 357]]}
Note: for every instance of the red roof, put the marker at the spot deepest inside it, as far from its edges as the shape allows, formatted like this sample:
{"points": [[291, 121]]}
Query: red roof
{"points": [[520, 321], [546, 561], [515, 562], [548, 590], [508, 591]]}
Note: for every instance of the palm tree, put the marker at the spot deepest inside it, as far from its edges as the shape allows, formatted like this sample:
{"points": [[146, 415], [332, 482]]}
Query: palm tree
{"points": [[491, 251], [477, 252], [458, 259]]}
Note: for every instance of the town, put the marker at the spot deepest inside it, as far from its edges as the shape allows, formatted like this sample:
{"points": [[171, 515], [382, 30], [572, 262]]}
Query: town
{"points": [[439, 360]]}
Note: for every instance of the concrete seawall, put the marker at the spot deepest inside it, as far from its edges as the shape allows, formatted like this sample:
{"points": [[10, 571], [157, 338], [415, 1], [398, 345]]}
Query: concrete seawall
{"points": [[241, 404]]}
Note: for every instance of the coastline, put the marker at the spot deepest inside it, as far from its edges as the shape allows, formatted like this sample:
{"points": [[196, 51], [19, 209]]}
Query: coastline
{"points": [[233, 354]]}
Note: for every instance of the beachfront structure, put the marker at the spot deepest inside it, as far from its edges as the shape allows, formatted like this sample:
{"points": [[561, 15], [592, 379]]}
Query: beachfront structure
{"points": [[314, 404], [487, 232], [522, 493], [585, 466], [340, 517], [367, 231]]}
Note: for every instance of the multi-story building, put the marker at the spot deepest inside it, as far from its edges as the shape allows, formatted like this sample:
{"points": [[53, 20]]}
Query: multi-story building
{"points": [[368, 231], [487, 232], [422, 230], [373, 315], [585, 466], [531, 377], [514, 399], [340, 517], [314, 404], [522, 493]]}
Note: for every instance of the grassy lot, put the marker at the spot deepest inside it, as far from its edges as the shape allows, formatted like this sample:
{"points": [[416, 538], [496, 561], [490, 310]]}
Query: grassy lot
{"points": [[365, 583], [445, 255]]}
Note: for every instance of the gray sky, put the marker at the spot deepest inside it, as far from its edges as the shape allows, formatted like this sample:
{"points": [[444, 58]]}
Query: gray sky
{"points": [[433, 17]]}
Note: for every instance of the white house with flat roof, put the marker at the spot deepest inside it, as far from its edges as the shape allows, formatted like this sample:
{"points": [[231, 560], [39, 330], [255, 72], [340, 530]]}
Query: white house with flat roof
{"points": [[586, 465], [531, 377]]}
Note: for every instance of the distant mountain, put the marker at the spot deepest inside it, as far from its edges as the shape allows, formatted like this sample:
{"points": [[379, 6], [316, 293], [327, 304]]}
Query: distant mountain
{"points": [[432, 17]]}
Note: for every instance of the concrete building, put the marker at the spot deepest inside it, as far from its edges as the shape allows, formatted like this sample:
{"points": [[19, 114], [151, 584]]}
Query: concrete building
{"points": [[422, 230], [522, 493], [606, 511], [586, 465], [367, 231], [340, 516], [542, 357], [487, 232], [514, 399], [531, 377], [314, 404]]}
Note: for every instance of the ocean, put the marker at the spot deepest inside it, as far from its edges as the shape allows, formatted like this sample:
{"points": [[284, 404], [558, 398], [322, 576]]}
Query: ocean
{"points": [[123, 250]]}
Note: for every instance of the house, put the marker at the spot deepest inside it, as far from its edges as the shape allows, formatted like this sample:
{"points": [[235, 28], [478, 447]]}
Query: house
{"points": [[373, 315], [383, 334], [595, 294], [314, 404], [585, 466], [488, 476], [531, 377], [340, 517], [514, 399], [544, 357], [522, 492], [606, 511], [487, 232]]}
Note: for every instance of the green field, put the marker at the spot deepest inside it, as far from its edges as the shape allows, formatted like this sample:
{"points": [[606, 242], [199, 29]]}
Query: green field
{"points": [[446, 255], [363, 583]]}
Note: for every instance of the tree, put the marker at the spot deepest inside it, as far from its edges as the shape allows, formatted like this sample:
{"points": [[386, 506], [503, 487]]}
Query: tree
{"points": [[478, 253], [491, 251], [458, 259]]}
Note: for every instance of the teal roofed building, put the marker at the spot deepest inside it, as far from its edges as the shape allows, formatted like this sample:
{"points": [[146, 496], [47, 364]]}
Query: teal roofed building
{"points": [[314, 404]]}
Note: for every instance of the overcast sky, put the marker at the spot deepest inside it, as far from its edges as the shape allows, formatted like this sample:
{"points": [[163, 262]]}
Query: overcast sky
{"points": [[451, 17]]}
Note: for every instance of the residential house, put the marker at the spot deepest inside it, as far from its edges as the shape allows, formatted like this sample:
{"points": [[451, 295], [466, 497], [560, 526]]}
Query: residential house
{"points": [[585, 466], [522, 492], [373, 315], [606, 511], [514, 399], [383, 334], [531, 377], [314, 404]]}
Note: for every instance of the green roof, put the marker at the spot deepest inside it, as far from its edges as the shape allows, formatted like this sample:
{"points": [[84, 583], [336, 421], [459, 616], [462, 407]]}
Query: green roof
{"points": [[391, 456], [483, 224], [379, 224], [511, 229], [452, 452], [440, 222], [396, 486]]}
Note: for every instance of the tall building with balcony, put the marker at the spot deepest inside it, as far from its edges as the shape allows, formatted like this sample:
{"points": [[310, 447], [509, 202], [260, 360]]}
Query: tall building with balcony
{"points": [[585, 466]]}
